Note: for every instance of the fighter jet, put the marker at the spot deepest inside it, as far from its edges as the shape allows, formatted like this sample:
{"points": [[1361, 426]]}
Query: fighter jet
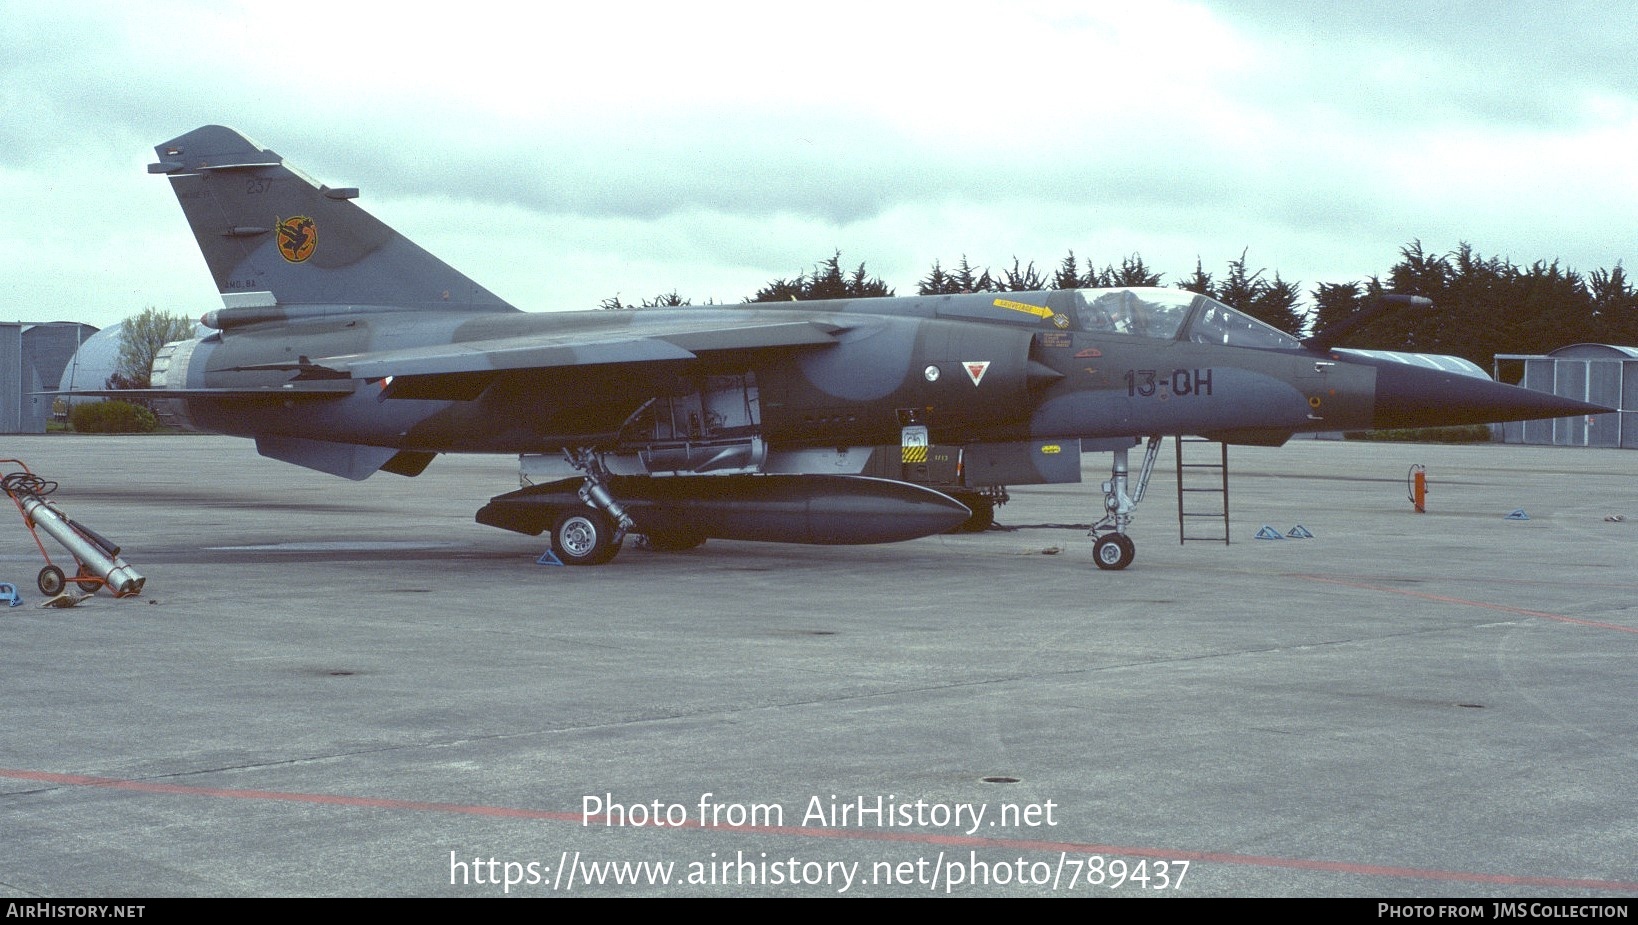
{"points": [[343, 347]]}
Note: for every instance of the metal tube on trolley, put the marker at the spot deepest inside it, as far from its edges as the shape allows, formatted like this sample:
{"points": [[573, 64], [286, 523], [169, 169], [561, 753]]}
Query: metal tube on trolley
{"points": [[105, 562]]}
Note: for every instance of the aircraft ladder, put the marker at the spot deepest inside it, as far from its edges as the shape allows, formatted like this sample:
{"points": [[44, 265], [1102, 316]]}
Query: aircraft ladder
{"points": [[1197, 482]]}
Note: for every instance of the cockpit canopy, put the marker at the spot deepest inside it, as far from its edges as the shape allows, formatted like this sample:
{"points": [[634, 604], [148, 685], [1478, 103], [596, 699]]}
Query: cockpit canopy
{"points": [[1164, 313]]}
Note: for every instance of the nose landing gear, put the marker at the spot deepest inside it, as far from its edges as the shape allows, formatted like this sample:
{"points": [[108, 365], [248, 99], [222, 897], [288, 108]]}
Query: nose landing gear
{"points": [[1113, 549]]}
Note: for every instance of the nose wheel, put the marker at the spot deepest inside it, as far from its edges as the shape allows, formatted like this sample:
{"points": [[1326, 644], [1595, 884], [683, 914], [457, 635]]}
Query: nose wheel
{"points": [[1114, 551]]}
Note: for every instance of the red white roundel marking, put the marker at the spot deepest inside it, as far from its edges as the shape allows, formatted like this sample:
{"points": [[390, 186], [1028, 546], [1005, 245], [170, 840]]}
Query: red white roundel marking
{"points": [[976, 369]]}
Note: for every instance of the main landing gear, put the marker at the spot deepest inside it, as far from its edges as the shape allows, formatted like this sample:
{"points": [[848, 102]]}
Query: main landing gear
{"points": [[1113, 549], [590, 535]]}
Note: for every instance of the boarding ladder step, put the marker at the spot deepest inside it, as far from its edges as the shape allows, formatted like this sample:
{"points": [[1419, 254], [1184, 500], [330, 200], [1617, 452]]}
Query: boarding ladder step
{"points": [[1202, 491]]}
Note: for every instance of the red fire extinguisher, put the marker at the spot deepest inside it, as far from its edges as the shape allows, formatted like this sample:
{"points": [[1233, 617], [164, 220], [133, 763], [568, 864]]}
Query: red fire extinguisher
{"points": [[1417, 482]]}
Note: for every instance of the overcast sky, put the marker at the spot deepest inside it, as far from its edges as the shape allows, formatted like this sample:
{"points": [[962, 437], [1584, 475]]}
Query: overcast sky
{"points": [[563, 155]]}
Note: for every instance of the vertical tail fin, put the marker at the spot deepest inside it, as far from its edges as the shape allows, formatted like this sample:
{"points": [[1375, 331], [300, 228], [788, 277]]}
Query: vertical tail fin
{"points": [[265, 227]]}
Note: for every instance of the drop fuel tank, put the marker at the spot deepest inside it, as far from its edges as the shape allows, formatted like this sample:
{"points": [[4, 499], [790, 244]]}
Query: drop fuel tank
{"points": [[828, 510]]}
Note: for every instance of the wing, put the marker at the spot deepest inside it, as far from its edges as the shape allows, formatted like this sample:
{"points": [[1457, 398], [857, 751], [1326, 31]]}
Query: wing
{"points": [[461, 371], [331, 388], [648, 351]]}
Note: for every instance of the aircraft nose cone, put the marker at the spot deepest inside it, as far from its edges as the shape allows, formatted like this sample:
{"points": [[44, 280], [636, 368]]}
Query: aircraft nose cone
{"points": [[1413, 396]]}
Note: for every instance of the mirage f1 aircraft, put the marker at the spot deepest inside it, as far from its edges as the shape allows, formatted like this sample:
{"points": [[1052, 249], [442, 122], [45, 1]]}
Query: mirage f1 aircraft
{"points": [[345, 348]]}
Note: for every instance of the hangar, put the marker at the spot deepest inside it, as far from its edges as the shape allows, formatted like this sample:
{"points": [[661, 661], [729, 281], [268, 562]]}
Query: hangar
{"points": [[33, 356], [1603, 374]]}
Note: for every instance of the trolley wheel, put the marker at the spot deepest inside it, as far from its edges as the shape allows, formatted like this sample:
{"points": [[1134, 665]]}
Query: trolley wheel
{"points": [[87, 580], [52, 581]]}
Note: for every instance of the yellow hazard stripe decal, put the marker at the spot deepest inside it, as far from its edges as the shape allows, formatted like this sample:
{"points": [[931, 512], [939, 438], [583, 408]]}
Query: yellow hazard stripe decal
{"points": [[1038, 311], [914, 454]]}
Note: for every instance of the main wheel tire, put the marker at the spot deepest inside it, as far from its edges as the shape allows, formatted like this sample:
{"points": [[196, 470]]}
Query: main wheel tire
{"points": [[584, 538], [52, 581], [674, 541], [1113, 551]]}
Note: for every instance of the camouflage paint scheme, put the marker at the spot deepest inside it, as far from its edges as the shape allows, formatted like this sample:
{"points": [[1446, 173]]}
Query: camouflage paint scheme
{"points": [[344, 347]]}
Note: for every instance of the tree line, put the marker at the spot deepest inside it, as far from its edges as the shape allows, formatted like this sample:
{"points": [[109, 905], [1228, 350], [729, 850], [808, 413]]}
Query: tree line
{"points": [[1482, 306]]}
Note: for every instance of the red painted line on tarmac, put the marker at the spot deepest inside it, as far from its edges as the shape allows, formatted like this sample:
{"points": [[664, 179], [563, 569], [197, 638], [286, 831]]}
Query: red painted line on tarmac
{"points": [[142, 786], [874, 835], [1446, 599]]}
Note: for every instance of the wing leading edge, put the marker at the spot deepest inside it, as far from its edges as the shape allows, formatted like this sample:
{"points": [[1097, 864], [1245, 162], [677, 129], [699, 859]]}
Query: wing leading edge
{"points": [[459, 371]]}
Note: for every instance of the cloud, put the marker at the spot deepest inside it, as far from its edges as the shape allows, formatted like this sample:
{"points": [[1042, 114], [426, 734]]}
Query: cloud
{"points": [[561, 155]]}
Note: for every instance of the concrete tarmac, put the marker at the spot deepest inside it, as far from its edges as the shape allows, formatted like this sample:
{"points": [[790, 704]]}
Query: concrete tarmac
{"points": [[331, 688]]}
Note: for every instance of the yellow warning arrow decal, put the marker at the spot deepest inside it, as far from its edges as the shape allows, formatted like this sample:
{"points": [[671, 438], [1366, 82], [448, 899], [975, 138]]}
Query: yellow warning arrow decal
{"points": [[1039, 311]]}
